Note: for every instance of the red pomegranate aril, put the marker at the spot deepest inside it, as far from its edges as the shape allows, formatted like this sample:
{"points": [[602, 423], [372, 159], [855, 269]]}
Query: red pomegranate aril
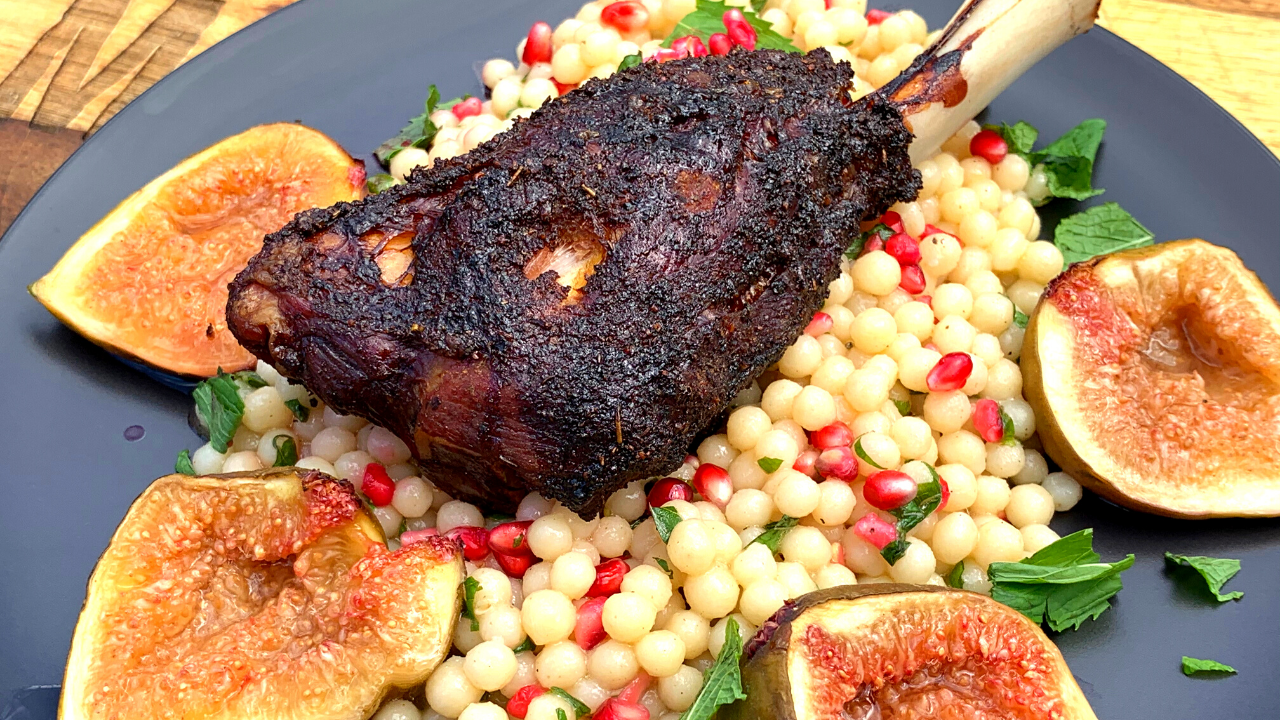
{"points": [[875, 17], [837, 462], [819, 325], [889, 489], [872, 244], [518, 705], [668, 489], [609, 576], [664, 54], [537, 46], [409, 537], [634, 690], [475, 541], [377, 485], [739, 30], [626, 17], [837, 434], [837, 553], [509, 539], [987, 420], [935, 230], [951, 372], [945, 491], [720, 44], [713, 484], [588, 629], [926, 299], [903, 248], [875, 530], [807, 463], [562, 88], [515, 565], [893, 220], [615, 709], [689, 46], [913, 281], [989, 146], [467, 108]]}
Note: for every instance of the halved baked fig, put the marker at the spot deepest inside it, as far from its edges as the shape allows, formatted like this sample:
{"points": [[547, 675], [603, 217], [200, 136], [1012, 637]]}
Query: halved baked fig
{"points": [[1155, 377], [256, 595], [904, 652]]}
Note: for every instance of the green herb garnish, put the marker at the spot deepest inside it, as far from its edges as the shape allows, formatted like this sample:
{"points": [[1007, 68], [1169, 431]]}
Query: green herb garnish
{"points": [[300, 411], [769, 465], [1020, 137], [775, 531], [419, 132], [579, 708], [1020, 318], [249, 378], [665, 520], [1099, 230], [665, 567], [219, 407], [879, 230], [183, 464], [1068, 161], [857, 449], [1009, 433], [722, 683], [630, 61], [469, 588], [904, 407], [708, 19], [955, 578], [1192, 666], [379, 182], [561, 714], [525, 645], [286, 450], [928, 498], [1215, 571], [1063, 584]]}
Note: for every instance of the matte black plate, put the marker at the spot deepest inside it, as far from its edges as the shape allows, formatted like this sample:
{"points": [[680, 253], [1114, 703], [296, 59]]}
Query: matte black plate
{"points": [[358, 71]]}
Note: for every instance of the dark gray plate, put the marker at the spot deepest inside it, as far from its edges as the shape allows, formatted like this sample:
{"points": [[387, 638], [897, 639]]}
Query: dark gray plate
{"points": [[357, 71]]}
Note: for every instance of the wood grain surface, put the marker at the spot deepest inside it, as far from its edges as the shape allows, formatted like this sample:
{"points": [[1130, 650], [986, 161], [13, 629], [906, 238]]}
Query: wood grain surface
{"points": [[67, 66]]}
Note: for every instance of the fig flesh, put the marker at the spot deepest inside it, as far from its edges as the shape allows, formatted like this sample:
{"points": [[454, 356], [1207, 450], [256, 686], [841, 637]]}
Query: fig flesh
{"points": [[1155, 377], [904, 652], [256, 595]]}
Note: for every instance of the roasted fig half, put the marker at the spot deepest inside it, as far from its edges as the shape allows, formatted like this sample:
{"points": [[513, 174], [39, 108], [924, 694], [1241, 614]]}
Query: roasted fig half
{"points": [[1155, 377], [904, 652], [256, 595]]}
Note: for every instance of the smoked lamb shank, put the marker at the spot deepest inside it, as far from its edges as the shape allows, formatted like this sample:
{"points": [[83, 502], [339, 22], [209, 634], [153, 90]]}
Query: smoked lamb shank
{"points": [[565, 308]]}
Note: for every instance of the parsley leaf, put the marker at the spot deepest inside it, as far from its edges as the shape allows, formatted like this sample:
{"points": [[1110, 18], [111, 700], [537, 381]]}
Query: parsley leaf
{"points": [[469, 588], [219, 407], [879, 230], [1215, 571], [579, 708], [1099, 230], [183, 464], [775, 531], [769, 465], [722, 683], [286, 450], [630, 61], [955, 578], [928, 498], [379, 182], [665, 520], [708, 19], [857, 449], [1020, 137], [1020, 318], [1063, 584], [1191, 666]]}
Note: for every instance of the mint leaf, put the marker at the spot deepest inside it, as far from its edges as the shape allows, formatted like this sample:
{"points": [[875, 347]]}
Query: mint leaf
{"points": [[580, 708], [665, 520], [928, 498], [708, 19], [219, 407], [955, 578], [526, 645], [1080, 141], [469, 588], [561, 714], [1068, 161], [665, 567], [1063, 584], [1020, 318], [183, 464], [1191, 666], [879, 230], [300, 411], [1099, 230], [630, 61], [857, 449], [769, 465], [418, 133], [775, 531], [1006, 424], [1020, 137], [249, 378], [1215, 571], [722, 683], [286, 451], [379, 182], [904, 407]]}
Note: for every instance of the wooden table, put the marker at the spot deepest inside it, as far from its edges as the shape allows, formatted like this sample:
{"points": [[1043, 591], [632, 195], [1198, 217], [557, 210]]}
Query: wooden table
{"points": [[69, 65]]}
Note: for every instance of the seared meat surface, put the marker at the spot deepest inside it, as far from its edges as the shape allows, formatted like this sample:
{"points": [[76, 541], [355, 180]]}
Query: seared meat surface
{"points": [[566, 307]]}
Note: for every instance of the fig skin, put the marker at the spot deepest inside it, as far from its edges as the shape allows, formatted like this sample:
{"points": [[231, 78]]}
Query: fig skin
{"points": [[1051, 374], [222, 644], [766, 672]]}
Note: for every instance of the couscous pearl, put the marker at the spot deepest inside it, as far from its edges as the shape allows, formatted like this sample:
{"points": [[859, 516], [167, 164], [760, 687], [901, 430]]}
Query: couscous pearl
{"points": [[650, 583], [716, 450], [965, 448], [612, 536], [862, 557], [332, 443], [503, 624], [872, 330], [412, 497], [833, 375], [448, 691], [1029, 505], [795, 578], [814, 408], [572, 574], [494, 590], [916, 565], [244, 461], [947, 412], [746, 425], [483, 711], [490, 665], [628, 617], [660, 653], [963, 486], [953, 334], [525, 673], [351, 466], [550, 536], [613, 664], [806, 546], [548, 616], [561, 664], [836, 503], [1064, 489], [954, 537], [678, 691], [713, 593], [1037, 537], [1004, 381], [876, 273], [778, 398], [998, 541], [310, 463], [457, 513], [548, 706], [693, 629], [761, 599], [399, 709], [802, 358], [797, 494]]}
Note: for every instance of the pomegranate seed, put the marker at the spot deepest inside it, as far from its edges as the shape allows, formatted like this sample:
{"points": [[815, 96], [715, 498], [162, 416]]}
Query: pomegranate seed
{"points": [[989, 146], [837, 553], [873, 528], [935, 230], [951, 372], [518, 705], [873, 244], [668, 489], [837, 462], [889, 489], [475, 541], [537, 47], [931, 346], [807, 463], [912, 279], [713, 484], [689, 46], [515, 565], [926, 299], [945, 490], [409, 537], [377, 485], [819, 325], [835, 435], [466, 108], [720, 44], [562, 88], [664, 54], [739, 30], [609, 576], [615, 709], [509, 539], [633, 690], [987, 420], [588, 629], [875, 17], [827, 3], [903, 248], [893, 220], [626, 17]]}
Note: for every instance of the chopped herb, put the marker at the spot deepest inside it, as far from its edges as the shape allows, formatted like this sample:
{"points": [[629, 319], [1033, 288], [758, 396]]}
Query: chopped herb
{"points": [[1010, 436], [636, 523], [1020, 137], [368, 506], [904, 407], [561, 714], [219, 407], [769, 465], [300, 411], [722, 683], [579, 708], [1191, 666], [775, 531], [630, 61], [665, 520], [1020, 318], [286, 450], [1099, 230], [518, 541], [469, 588], [708, 19], [379, 182], [404, 525], [525, 645], [183, 464], [955, 578], [879, 230], [249, 378], [928, 498], [1063, 584], [665, 567], [857, 448], [419, 132], [1068, 161], [1215, 571]]}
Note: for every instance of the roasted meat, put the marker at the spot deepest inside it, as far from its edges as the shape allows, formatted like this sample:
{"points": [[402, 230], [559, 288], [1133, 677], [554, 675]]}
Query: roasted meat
{"points": [[566, 307]]}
